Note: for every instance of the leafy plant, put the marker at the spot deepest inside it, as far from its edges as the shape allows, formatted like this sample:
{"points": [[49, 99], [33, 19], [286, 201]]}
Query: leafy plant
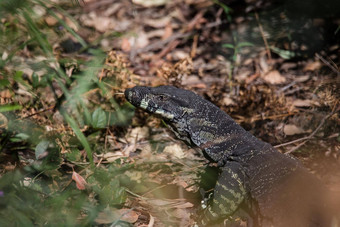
{"points": [[227, 10], [41, 193], [285, 54], [236, 47]]}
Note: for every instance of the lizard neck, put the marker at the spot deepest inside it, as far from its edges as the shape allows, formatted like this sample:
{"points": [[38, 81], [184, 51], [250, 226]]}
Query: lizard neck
{"points": [[220, 137]]}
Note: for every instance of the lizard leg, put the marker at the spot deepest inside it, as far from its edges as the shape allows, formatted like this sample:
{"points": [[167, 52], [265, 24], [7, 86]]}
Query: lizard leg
{"points": [[230, 191]]}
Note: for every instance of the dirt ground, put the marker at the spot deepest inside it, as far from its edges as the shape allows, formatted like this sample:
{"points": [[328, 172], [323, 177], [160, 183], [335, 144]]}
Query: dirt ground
{"points": [[272, 66]]}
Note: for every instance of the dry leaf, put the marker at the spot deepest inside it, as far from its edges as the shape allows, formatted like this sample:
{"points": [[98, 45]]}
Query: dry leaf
{"points": [[168, 203], [128, 149], [158, 22], [146, 151], [51, 21], [263, 64], [71, 24], [128, 215], [302, 79], [6, 94], [137, 134], [152, 221], [139, 41], [191, 80], [150, 3], [184, 205], [178, 55], [103, 24], [158, 202], [274, 77], [3, 121], [174, 150], [288, 65], [110, 215], [181, 183], [126, 46], [312, 66], [80, 181], [291, 129], [112, 9], [304, 103], [111, 156], [4, 56], [134, 175], [100, 23], [156, 33], [182, 214], [167, 31], [227, 101]]}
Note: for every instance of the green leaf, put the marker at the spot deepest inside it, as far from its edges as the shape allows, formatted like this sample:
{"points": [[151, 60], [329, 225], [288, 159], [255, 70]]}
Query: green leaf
{"points": [[36, 33], [87, 114], [228, 45], [227, 10], [285, 54], [337, 30], [21, 219], [4, 83], [10, 107], [74, 155], [123, 116], [41, 148], [35, 80], [65, 25], [22, 136], [80, 136], [244, 44], [10, 7], [99, 119], [18, 76]]}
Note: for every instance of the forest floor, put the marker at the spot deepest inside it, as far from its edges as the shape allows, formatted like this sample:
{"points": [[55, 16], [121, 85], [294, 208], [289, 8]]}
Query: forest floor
{"points": [[276, 74]]}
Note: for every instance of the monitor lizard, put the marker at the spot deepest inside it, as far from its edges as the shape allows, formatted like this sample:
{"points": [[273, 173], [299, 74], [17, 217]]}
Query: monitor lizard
{"points": [[275, 186]]}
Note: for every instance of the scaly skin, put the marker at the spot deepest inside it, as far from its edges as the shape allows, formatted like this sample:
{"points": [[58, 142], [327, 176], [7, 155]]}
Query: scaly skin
{"points": [[253, 172]]}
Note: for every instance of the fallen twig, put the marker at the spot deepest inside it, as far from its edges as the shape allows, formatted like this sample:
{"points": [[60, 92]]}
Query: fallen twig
{"points": [[38, 112], [333, 68], [304, 139], [158, 44], [263, 37], [167, 49]]}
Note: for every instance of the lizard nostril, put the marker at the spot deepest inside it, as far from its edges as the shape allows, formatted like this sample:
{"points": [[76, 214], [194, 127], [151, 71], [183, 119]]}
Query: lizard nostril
{"points": [[130, 94], [136, 94], [127, 93]]}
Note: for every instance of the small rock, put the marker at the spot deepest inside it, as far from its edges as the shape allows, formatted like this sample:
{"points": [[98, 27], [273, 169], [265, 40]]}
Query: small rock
{"points": [[291, 129], [174, 150], [274, 77]]}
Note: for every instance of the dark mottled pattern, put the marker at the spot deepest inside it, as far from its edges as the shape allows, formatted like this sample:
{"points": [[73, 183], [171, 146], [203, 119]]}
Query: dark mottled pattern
{"points": [[252, 170]]}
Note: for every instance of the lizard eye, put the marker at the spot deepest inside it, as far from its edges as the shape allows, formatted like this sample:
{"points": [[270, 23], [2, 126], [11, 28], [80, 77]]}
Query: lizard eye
{"points": [[162, 97]]}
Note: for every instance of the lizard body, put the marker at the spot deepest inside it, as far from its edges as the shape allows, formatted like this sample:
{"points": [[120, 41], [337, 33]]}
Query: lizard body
{"points": [[252, 170]]}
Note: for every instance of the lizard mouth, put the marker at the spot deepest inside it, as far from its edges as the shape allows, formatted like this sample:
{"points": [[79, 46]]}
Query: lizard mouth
{"points": [[138, 96], [135, 95]]}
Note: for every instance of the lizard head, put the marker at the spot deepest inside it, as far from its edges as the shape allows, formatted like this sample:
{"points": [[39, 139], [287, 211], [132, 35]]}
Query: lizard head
{"points": [[192, 118], [169, 102]]}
